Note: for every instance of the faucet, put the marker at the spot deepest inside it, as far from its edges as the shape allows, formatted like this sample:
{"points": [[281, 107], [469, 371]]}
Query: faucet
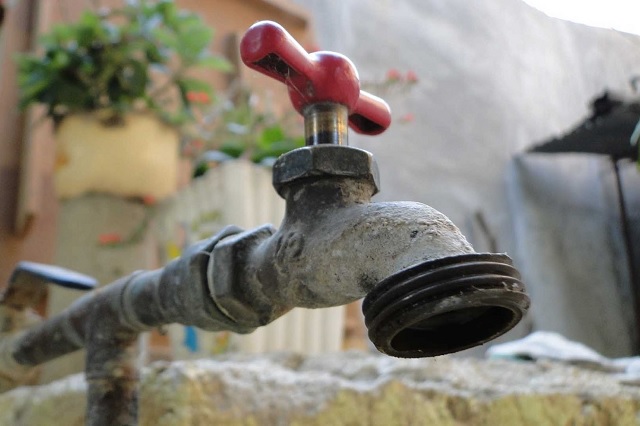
{"points": [[426, 291]]}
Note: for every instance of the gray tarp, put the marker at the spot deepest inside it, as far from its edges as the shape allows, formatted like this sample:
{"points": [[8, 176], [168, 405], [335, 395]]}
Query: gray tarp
{"points": [[570, 246]]}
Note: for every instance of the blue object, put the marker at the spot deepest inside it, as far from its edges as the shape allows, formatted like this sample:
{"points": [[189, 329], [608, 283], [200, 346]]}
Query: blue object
{"points": [[54, 274], [191, 338]]}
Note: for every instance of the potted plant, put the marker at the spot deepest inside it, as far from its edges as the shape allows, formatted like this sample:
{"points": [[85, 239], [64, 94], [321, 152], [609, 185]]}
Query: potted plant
{"points": [[118, 85]]}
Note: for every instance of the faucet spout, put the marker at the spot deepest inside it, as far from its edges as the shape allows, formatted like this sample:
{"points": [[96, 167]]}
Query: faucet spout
{"points": [[334, 246], [337, 254]]}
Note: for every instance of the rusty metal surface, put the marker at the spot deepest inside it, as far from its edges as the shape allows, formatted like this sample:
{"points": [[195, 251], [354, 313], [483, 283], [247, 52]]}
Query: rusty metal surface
{"points": [[108, 321], [12, 320], [333, 247], [111, 370]]}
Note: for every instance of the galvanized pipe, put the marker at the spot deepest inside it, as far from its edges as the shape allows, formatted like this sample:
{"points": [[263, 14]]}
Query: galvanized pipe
{"points": [[111, 371], [108, 321]]}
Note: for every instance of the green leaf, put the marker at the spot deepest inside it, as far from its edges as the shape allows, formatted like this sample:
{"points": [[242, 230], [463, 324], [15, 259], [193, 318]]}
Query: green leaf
{"points": [[183, 90], [215, 62], [196, 85], [60, 34], [90, 20], [169, 11], [70, 94], [107, 61], [233, 147], [274, 150], [270, 135], [133, 77], [192, 42], [60, 59], [167, 38], [153, 54]]}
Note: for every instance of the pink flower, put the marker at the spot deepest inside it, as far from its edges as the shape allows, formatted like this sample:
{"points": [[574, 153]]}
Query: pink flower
{"points": [[407, 118], [109, 238], [197, 144], [394, 75], [411, 77], [149, 200], [198, 97]]}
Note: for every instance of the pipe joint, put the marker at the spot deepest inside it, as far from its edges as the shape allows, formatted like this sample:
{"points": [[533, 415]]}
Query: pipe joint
{"points": [[245, 305]]}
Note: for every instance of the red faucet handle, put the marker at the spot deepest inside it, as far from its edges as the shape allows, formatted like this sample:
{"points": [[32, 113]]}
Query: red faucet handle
{"points": [[313, 77], [269, 49], [371, 115]]}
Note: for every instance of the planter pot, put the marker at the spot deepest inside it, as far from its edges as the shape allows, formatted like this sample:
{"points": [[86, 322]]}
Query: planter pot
{"points": [[136, 158]]}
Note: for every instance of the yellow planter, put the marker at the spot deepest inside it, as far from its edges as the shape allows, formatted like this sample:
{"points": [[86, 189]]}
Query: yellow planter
{"points": [[137, 158]]}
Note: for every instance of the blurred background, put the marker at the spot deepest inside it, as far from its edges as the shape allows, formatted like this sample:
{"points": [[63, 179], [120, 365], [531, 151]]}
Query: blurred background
{"points": [[517, 125]]}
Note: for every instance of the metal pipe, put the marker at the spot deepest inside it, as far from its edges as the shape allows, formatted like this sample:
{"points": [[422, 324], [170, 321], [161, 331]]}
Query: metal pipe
{"points": [[108, 321]]}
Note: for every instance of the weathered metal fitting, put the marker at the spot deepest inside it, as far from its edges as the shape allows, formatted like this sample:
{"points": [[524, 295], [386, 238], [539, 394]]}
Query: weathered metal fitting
{"points": [[326, 123], [322, 161], [241, 302]]}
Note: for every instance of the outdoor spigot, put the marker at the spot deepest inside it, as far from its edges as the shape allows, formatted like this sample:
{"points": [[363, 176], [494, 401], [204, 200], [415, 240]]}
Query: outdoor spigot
{"points": [[427, 292]]}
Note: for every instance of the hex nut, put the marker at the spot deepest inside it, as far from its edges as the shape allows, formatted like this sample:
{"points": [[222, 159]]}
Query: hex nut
{"points": [[235, 297], [325, 160]]}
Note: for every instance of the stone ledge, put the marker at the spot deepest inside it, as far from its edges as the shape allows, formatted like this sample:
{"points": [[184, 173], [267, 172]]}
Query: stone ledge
{"points": [[348, 389]]}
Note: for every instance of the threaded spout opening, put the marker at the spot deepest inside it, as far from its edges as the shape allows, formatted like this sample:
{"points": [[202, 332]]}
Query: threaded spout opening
{"points": [[445, 305]]}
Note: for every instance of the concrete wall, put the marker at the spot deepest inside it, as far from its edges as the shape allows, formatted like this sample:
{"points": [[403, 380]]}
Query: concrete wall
{"points": [[352, 389]]}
